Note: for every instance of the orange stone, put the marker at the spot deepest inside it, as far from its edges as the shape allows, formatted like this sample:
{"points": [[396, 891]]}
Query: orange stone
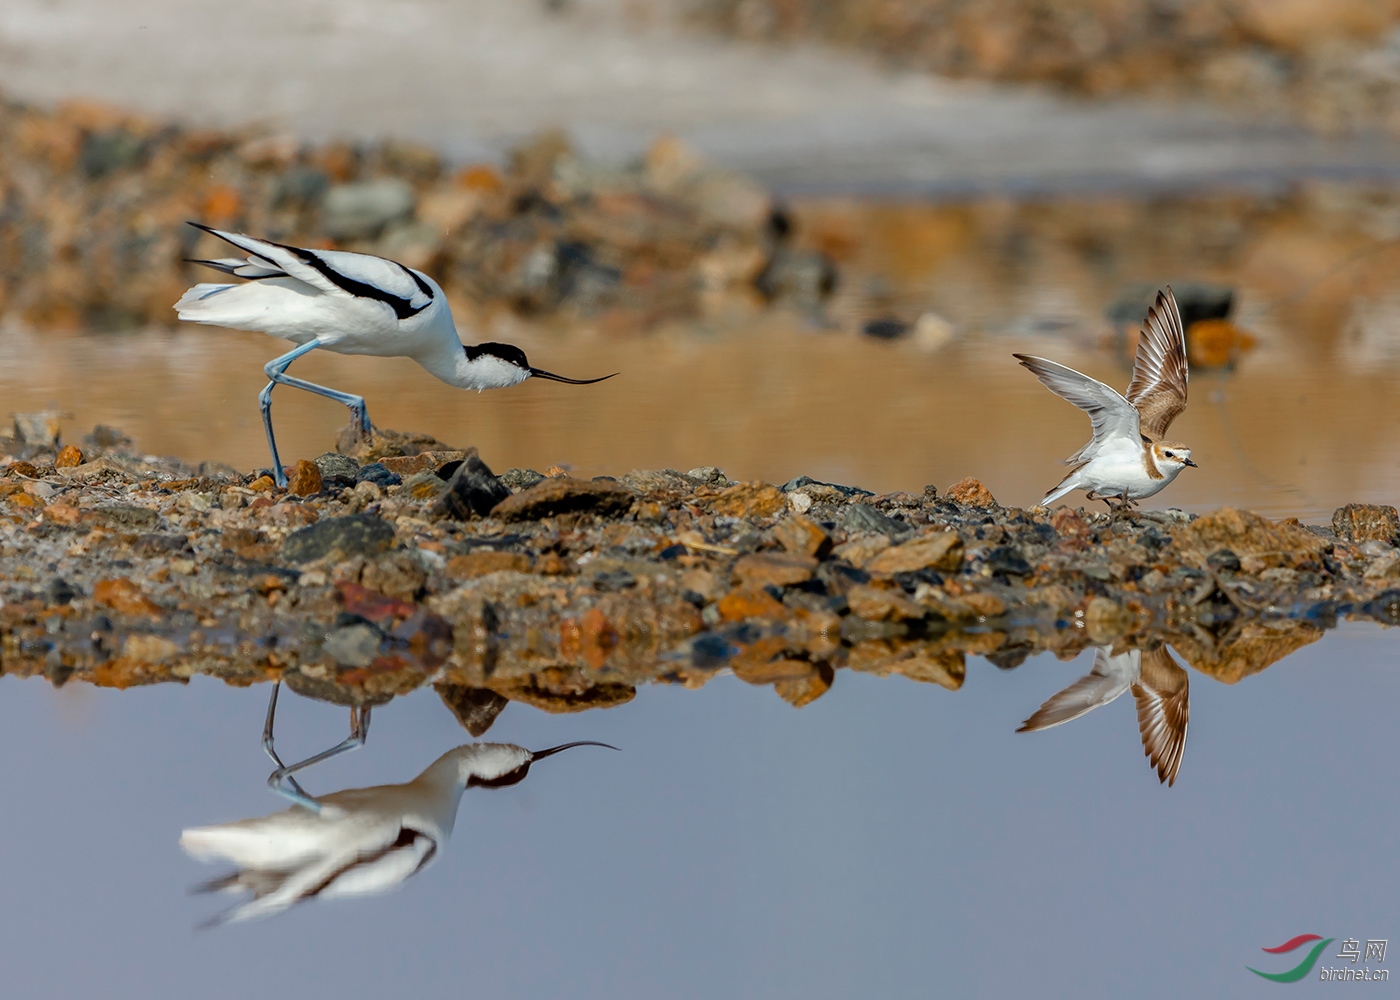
{"points": [[804, 691], [748, 500], [970, 492], [774, 671], [62, 513], [771, 568], [70, 457], [263, 484], [124, 595], [305, 480], [743, 603], [480, 563]]}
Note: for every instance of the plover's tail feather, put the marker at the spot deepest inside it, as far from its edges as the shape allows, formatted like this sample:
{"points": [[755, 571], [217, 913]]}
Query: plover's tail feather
{"points": [[1067, 485]]}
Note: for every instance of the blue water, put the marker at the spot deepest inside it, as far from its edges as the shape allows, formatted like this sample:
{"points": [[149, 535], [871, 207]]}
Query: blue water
{"points": [[890, 840]]}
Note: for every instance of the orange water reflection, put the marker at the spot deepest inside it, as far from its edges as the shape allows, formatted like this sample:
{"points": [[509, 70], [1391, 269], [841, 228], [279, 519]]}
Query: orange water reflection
{"points": [[1307, 420]]}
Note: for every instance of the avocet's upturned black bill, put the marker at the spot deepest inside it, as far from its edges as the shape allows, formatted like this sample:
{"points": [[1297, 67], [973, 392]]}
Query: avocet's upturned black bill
{"points": [[348, 303]]}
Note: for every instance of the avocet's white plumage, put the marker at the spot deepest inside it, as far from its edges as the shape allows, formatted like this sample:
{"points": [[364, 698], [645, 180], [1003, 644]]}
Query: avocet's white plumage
{"points": [[1127, 457], [348, 303], [363, 841], [1160, 688]]}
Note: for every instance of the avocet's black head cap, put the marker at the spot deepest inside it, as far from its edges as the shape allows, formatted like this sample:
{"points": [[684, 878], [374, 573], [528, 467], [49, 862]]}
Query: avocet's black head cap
{"points": [[513, 355], [508, 353]]}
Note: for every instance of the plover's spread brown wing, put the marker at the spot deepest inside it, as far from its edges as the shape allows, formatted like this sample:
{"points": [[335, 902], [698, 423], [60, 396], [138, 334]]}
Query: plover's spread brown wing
{"points": [[1158, 388], [1111, 414], [1163, 701]]}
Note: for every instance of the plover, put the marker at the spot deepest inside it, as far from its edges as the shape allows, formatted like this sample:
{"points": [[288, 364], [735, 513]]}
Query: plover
{"points": [[1129, 457], [1160, 687]]}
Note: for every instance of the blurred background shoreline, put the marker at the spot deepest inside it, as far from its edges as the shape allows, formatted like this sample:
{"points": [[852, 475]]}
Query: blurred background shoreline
{"points": [[806, 254]]}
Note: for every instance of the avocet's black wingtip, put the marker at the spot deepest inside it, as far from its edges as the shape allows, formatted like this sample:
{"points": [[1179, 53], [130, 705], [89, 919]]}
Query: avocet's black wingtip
{"points": [[541, 373]]}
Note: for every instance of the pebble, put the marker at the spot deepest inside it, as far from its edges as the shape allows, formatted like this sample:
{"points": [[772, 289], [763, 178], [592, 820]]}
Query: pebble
{"points": [[337, 470], [305, 479], [339, 538], [1362, 522], [379, 474], [564, 495], [970, 492], [473, 490], [802, 536], [764, 569]]}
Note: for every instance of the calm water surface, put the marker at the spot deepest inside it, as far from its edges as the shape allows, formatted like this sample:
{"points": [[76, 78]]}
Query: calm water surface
{"points": [[891, 839], [1304, 420]]}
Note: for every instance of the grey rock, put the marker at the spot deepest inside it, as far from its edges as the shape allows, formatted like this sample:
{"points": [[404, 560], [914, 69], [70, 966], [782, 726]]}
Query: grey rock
{"points": [[612, 580], [300, 187], [472, 491], [426, 479], [709, 474], [797, 482], [103, 153], [379, 474], [38, 430], [664, 479], [344, 537], [60, 591], [885, 328], [220, 472], [803, 277], [863, 517], [353, 211], [126, 516], [104, 438], [516, 480], [353, 645], [338, 470]]}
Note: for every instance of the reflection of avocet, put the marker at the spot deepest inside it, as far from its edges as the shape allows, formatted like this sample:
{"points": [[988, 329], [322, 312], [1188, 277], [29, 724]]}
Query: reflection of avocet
{"points": [[356, 842], [1159, 687]]}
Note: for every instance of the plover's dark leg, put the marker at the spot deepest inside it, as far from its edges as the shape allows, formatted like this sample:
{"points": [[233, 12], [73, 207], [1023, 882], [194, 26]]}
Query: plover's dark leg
{"points": [[281, 780], [276, 370]]}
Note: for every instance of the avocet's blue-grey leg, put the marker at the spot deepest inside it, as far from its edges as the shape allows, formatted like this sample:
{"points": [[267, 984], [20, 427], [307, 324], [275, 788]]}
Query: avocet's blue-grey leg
{"points": [[281, 780], [296, 793], [276, 370], [356, 403]]}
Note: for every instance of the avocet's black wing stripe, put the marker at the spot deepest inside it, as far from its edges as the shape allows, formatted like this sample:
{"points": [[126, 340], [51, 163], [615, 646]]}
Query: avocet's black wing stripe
{"points": [[423, 286], [361, 275], [403, 308]]}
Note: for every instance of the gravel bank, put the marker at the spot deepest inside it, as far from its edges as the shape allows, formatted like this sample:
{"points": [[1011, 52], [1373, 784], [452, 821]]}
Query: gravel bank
{"points": [[399, 561]]}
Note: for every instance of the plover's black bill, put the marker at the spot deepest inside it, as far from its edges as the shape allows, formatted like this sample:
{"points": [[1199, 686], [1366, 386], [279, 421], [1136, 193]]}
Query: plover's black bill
{"points": [[541, 373]]}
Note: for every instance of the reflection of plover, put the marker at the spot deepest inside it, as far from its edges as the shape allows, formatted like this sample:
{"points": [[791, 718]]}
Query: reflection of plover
{"points": [[348, 303], [1159, 687], [1127, 459]]}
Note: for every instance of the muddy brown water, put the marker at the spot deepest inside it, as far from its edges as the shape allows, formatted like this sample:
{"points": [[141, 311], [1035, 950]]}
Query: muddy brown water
{"points": [[1304, 421]]}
